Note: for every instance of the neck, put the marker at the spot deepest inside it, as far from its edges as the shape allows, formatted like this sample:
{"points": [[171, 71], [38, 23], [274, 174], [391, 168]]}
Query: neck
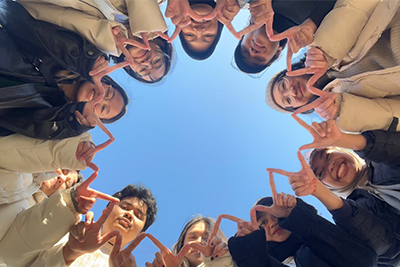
{"points": [[70, 90]]}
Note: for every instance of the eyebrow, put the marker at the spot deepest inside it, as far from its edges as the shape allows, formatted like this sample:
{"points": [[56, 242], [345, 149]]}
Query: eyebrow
{"points": [[131, 205]]}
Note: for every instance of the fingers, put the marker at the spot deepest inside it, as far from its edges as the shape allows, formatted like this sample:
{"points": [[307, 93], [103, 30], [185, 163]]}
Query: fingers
{"points": [[85, 184], [212, 15], [289, 55], [262, 208], [104, 129], [218, 222], [197, 246], [136, 44], [302, 71], [185, 249], [272, 186], [101, 65], [229, 26], [83, 121], [145, 40], [303, 162], [78, 231], [105, 214], [253, 216], [249, 28], [314, 79], [92, 166], [305, 108], [103, 196], [220, 250], [108, 236], [302, 123], [162, 35], [278, 200], [175, 34], [158, 244], [279, 171], [89, 218], [160, 259], [135, 243], [116, 247], [320, 128]]}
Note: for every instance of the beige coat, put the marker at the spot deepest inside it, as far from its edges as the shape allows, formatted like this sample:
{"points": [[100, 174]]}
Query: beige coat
{"points": [[370, 100], [25, 231], [93, 19]]}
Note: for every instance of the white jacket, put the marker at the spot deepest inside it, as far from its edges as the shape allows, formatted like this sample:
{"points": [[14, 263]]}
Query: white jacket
{"points": [[93, 19]]}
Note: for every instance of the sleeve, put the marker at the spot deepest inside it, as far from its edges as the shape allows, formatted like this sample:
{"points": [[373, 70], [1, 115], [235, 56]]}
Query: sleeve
{"points": [[49, 123], [58, 48], [224, 261], [334, 36], [53, 257], [251, 250], [360, 114], [27, 155], [38, 228], [365, 226], [322, 236], [145, 16], [96, 30], [321, 9], [382, 147]]}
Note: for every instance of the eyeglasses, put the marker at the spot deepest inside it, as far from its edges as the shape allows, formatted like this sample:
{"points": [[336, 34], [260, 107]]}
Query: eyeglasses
{"points": [[283, 86], [157, 62], [109, 94], [252, 75]]}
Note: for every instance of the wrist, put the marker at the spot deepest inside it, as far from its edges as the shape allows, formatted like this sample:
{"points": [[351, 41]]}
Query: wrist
{"points": [[327, 197], [69, 254]]}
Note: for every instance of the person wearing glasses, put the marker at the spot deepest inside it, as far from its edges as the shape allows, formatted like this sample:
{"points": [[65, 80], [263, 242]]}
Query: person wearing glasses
{"points": [[255, 51]]}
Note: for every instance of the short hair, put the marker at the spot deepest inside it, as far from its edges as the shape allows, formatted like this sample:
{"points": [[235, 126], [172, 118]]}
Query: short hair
{"points": [[208, 221], [205, 54], [143, 194], [109, 81], [243, 66], [165, 47], [265, 201]]}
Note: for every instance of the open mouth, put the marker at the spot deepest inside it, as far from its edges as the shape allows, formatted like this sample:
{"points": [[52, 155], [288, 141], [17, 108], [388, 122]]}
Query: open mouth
{"points": [[341, 171]]}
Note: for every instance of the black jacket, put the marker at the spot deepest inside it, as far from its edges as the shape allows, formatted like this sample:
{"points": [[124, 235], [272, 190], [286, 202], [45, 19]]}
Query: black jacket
{"points": [[32, 52], [315, 242]]}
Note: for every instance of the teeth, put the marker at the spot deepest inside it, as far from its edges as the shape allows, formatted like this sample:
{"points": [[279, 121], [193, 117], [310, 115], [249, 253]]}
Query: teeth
{"points": [[341, 169]]}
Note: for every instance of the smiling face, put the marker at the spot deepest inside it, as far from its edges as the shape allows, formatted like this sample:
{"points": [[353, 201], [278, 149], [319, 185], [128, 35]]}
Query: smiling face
{"points": [[272, 230], [111, 105], [196, 233], [69, 178], [200, 35], [129, 217], [291, 92], [334, 168], [256, 48]]}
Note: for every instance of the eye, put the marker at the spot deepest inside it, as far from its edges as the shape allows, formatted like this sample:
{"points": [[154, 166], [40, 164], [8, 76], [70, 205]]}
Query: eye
{"points": [[263, 223], [189, 34], [139, 215], [124, 207], [289, 101], [209, 35]]}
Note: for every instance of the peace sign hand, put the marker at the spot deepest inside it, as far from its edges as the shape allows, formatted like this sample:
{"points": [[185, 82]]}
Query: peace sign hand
{"points": [[180, 13], [170, 259], [261, 13], [225, 11], [124, 258], [303, 182], [326, 133], [298, 37]]}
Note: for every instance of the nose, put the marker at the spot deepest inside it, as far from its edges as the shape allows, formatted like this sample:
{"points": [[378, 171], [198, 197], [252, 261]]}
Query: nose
{"points": [[254, 50], [331, 165], [148, 64], [128, 216], [199, 28], [290, 91]]}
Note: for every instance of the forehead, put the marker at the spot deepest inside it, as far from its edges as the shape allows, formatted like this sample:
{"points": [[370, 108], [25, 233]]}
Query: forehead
{"points": [[198, 228], [264, 216], [276, 94]]}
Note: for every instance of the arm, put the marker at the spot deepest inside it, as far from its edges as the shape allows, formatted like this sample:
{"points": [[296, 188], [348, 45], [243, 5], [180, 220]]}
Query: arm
{"points": [[58, 48], [27, 155], [321, 236], [334, 37], [360, 114], [321, 9]]}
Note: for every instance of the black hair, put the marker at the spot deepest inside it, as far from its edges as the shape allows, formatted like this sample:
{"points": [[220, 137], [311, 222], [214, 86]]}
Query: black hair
{"points": [[165, 47], [204, 54], [265, 201], [295, 66], [107, 80], [79, 178], [243, 66], [209, 222], [143, 194]]}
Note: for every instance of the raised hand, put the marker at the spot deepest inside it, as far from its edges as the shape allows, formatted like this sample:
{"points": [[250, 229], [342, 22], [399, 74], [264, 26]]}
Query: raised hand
{"points": [[168, 258], [282, 206], [180, 13], [225, 11], [124, 258], [325, 105], [261, 13], [326, 133], [298, 37], [315, 64], [303, 182], [86, 237]]}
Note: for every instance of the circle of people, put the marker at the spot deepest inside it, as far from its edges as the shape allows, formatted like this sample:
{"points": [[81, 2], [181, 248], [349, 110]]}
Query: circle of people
{"points": [[54, 88]]}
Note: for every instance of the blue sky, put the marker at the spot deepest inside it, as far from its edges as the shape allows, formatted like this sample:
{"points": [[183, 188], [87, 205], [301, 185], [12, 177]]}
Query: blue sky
{"points": [[201, 141]]}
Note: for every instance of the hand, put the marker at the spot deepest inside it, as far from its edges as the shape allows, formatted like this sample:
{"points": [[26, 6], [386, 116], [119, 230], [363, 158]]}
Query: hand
{"points": [[303, 182], [298, 37], [261, 13], [124, 258], [225, 11], [326, 133], [86, 237], [169, 259], [86, 196], [180, 13], [325, 105], [315, 64], [245, 228]]}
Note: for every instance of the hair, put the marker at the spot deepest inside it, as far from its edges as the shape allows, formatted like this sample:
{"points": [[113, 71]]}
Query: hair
{"points": [[204, 54], [243, 66], [209, 222], [79, 178], [265, 201], [270, 97], [143, 194], [165, 47], [107, 80]]}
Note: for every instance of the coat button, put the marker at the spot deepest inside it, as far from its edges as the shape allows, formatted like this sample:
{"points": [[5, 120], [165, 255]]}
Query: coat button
{"points": [[90, 53], [70, 118]]}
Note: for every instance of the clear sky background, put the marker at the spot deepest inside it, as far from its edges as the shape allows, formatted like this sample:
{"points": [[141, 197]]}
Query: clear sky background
{"points": [[201, 141]]}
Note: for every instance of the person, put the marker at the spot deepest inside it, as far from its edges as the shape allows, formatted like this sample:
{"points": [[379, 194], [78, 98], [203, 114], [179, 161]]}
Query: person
{"points": [[112, 25], [49, 100], [256, 51], [291, 233], [370, 211], [90, 243]]}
